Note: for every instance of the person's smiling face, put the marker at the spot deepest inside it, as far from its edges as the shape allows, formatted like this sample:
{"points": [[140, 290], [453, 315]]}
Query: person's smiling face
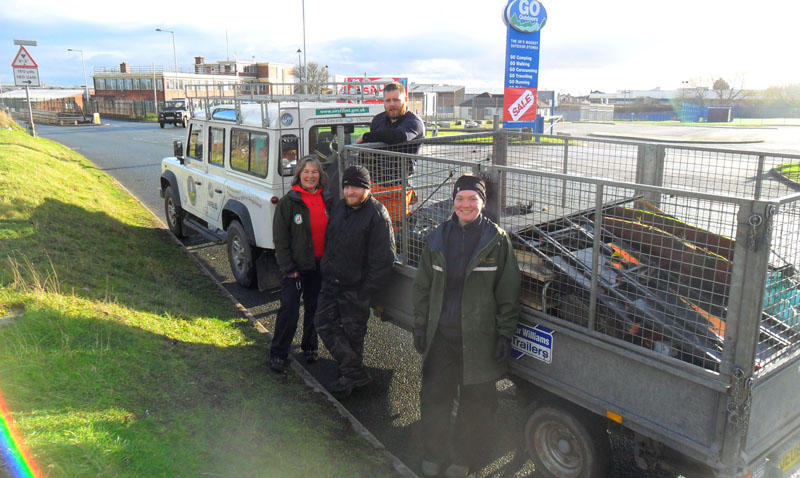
{"points": [[468, 205]]}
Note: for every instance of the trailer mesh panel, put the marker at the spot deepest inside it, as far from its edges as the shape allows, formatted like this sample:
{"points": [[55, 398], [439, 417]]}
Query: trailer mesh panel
{"points": [[648, 267]]}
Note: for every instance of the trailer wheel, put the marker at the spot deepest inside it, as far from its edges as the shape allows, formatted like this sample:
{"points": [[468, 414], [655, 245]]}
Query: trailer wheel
{"points": [[567, 443]]}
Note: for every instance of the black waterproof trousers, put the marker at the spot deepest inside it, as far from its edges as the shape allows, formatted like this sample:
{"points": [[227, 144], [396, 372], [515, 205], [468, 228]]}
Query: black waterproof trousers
{"points": [[468, 438], [341, 322], [307, 286]]}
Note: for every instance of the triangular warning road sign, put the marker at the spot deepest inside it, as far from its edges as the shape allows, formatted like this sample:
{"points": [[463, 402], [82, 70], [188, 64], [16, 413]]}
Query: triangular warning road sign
{"points": [[23, 59]]}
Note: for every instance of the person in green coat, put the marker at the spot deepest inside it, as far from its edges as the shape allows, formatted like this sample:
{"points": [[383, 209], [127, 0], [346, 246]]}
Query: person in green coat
{"points": [[466, 308]]}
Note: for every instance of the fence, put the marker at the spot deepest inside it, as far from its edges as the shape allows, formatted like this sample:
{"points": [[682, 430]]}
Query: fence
{"points": [[126, 109], [672, 250]]}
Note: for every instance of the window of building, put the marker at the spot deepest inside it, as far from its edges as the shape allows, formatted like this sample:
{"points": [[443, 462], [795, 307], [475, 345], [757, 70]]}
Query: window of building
{"points": [[135, 82], [249, 152], [160, 84], [147, 84], [216, 155], [99, 84], [195, 143], [128, 84]]}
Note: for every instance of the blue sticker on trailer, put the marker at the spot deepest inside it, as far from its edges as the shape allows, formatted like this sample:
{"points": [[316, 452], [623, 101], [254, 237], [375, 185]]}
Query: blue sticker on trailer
{"points": [[536, 342]]}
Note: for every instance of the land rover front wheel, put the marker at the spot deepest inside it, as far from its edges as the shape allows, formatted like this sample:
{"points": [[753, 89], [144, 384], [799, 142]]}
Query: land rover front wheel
{"points": [[240, 255], [173, 211], [161, 123], [565, 442]]}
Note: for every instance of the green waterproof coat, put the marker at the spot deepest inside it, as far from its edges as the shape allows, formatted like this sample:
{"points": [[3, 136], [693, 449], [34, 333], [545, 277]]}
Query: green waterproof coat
{"points": [[489, 305]]}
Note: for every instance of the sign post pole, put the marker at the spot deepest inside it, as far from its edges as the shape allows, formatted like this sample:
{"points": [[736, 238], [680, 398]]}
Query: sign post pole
{"points": [[524, 19], [31, 126]]}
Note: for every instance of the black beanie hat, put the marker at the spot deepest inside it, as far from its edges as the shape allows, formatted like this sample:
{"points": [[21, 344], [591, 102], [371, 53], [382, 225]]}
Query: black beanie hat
{"points": [[469, 182], [356, 176]]}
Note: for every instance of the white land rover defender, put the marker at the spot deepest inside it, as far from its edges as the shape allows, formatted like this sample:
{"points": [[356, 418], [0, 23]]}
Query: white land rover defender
{"points": [[238, 162]]}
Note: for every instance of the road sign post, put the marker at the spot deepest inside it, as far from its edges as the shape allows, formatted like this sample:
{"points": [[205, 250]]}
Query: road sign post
{"points": [[26, 73]]}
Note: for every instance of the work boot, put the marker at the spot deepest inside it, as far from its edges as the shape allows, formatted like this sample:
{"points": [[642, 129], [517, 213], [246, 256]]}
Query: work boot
{"points": [[277, 365], [311, 356], [430, 468], [456, 471], [343, 386]]}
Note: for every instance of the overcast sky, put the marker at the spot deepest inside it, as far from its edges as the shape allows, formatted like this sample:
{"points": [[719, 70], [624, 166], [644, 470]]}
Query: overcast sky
{"points": [[586, 45]]}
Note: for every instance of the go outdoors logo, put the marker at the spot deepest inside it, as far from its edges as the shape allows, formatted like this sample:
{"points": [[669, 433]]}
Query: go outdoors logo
{"points": [[526, 16]]}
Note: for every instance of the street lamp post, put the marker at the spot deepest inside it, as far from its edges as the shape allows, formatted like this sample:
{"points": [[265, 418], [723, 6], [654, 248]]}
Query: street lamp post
{"points": [[305, 62], [300, 65], [174, 54], [85, 82]]}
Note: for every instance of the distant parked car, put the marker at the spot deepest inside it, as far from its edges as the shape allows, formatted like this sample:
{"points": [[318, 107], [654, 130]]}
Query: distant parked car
{"points": [[174, 112]]}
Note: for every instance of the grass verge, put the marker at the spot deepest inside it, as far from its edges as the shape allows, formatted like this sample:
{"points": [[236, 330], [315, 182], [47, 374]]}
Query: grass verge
{"points": [[790, 171], [118, 358]]}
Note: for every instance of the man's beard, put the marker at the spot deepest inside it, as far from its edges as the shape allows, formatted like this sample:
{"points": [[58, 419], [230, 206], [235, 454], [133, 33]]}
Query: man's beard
{"points": [[393, 115]]}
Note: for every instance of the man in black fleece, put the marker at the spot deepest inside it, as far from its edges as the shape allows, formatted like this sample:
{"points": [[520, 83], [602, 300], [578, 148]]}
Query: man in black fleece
{"points": [[394, 126], [358, 258]]}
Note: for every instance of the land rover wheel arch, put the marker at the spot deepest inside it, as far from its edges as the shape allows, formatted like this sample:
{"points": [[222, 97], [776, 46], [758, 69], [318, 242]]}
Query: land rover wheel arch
{"points": [[235, 210]]}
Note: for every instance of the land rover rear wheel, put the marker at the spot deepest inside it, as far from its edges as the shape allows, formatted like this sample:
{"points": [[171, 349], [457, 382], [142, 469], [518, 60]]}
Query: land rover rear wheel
{"points": [[240, 255]]}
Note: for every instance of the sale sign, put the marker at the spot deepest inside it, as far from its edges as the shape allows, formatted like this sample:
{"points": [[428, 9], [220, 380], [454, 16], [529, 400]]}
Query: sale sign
{"points": [[522, 104], [524, 20]]}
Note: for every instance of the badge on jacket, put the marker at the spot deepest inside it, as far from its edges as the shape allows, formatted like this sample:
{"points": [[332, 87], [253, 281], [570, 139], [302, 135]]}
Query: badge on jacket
{"points": [[298, 219]]}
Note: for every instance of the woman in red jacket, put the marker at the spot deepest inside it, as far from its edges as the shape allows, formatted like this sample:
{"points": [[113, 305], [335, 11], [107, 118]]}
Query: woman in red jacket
{"points": [[298, 230]]}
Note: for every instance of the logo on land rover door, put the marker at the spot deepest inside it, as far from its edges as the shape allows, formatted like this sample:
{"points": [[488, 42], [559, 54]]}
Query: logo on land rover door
{"points": [[191, 191]]}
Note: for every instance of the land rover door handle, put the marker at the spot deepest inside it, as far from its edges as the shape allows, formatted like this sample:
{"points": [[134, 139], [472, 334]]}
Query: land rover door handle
{"points": [[199, 183], [218, 191]]}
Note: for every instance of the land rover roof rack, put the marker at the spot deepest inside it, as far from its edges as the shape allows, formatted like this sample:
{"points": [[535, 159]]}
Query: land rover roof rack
{"points": [[236, 94]]}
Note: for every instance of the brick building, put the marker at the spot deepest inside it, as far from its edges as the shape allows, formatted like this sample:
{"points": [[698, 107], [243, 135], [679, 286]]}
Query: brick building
{"points": [[142, 83]]}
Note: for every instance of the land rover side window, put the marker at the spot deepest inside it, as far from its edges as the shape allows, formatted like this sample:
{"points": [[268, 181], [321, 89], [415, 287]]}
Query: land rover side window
{"points": [[249, 152], [323, 140], [196, 142], [289, 153], [216, 137]]}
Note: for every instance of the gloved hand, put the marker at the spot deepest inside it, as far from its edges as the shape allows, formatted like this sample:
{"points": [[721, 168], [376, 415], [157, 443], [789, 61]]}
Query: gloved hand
{"points": [[419, 339], [503, 349]]}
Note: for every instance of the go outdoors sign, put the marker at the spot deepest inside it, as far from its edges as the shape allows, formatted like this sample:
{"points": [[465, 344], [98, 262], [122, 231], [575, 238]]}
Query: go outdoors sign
{"points": [[524, 19]]}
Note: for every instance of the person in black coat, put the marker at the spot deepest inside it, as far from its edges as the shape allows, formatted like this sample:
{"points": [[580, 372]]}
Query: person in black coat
{"points": [[359, 253], [298, 230]]}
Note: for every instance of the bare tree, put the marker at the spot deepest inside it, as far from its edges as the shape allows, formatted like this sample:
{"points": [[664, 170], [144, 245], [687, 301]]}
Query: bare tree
{"points": [[729, 90], [316, 74]]}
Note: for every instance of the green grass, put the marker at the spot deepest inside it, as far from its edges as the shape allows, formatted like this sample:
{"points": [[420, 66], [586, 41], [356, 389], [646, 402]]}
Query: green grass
{"points": [[118, 358], [742, 122], [790, 171]]}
